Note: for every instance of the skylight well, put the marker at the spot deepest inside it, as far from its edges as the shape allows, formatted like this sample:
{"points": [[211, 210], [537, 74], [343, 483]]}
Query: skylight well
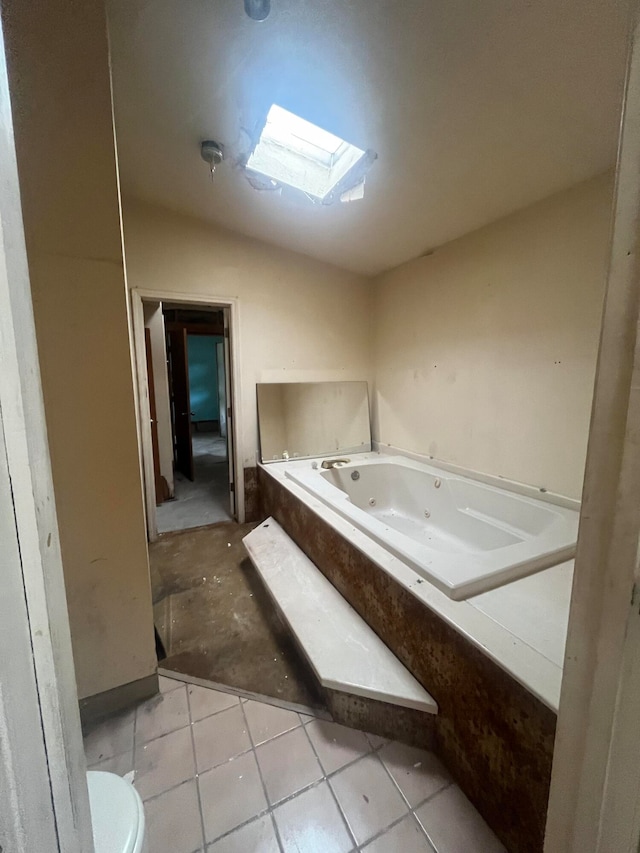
{"points": [[294, 152]]}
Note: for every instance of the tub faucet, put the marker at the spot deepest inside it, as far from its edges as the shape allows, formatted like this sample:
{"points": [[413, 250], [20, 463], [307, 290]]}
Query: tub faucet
{"points": [[333, 463]]}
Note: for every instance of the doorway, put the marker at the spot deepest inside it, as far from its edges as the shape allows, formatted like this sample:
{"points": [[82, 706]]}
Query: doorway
{"points": [[197, 384], [187, 423]]}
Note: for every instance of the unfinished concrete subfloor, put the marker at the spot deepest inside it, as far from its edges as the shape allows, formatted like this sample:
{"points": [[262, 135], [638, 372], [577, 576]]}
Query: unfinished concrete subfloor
{"points": [[206, 499], [216, 620]]}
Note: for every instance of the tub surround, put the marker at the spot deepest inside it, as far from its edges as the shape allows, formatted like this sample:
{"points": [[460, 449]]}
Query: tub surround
{"points": [[360, 664], [252, 504], [463, 536], [362, 682], [521, 626], [535, 610], [497, 691], [384, 719]]}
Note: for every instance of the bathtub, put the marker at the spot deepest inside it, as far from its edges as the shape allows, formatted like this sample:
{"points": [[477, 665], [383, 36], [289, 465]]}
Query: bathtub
{"points": [[462, 535]]}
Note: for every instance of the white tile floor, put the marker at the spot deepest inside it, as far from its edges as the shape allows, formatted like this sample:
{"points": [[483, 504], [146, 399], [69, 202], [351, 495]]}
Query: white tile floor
{"points": [[224, 775]]}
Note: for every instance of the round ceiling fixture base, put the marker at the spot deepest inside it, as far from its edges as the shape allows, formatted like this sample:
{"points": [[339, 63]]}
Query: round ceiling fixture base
{"points": [[257, 10], [212, 153]]}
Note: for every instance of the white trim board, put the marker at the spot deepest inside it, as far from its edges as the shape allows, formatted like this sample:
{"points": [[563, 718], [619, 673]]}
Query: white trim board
{"points": [[44, 805], [138, 296], [595, 784]]}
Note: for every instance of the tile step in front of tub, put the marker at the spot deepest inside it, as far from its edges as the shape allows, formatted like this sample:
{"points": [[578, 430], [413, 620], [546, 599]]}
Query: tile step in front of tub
{"points": [[343, 651]]}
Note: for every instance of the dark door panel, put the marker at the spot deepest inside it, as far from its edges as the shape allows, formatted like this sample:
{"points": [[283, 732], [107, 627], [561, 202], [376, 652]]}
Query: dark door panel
{"points": [[179, 367]]}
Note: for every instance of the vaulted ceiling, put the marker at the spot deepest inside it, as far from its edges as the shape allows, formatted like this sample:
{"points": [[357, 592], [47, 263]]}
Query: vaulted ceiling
{"points": [[475, 109]]}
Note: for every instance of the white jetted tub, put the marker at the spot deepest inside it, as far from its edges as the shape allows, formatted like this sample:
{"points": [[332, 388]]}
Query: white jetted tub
{"points": [[462, 535]]}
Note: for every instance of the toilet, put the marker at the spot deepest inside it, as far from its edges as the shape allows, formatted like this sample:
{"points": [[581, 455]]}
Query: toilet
{"points": [[117, 815]]}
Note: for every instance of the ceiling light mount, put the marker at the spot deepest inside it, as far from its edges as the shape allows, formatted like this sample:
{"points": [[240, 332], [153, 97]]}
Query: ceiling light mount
{"points": [[212, 153], [257, 10]]}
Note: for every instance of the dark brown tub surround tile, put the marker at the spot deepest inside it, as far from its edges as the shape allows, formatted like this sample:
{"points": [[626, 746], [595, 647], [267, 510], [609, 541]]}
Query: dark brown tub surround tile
{"points": [[494, 736], [252, 501]]}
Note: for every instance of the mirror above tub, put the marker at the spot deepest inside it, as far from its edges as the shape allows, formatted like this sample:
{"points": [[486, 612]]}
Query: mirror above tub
{"points": [[306, 419]]}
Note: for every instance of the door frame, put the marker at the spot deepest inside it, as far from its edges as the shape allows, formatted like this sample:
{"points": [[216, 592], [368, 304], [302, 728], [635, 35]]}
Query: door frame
{"points": [[594, 803], [138, 296], [45, 802]]}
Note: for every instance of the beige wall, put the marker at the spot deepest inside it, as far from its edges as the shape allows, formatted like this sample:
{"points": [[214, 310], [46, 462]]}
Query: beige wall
{"points": [[485, 351], [59, 77], [324, 419], [273, 428], [300, 320], [313, 419]]}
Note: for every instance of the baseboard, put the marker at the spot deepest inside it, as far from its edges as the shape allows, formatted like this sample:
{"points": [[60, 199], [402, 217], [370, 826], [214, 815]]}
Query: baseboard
{"points": [[94, 708]]}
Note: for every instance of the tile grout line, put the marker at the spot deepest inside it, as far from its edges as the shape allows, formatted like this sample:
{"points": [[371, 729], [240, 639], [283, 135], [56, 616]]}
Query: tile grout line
{"points": [[227, 761], [270, 808], [267, 808], [411, 808], [110, 719], [371, 751], [432, 796], [264, 813], [177, 682], [398, 820], [428, 800], [264, 787], [165, 734], [179, 728], [393, 823], [325, 778], [276, 831], [245, 695], [395, 784], [411, 812], [384, 831], [196, 772], [133, 748], [275, 737]]}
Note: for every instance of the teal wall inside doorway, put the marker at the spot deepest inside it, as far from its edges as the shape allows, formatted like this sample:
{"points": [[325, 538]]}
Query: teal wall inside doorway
{"points": [[203, 376]]}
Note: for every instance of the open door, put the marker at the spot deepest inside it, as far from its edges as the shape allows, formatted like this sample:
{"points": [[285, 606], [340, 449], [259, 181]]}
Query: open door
{"points": [[229, 414], [159, 483], [179, 377]]}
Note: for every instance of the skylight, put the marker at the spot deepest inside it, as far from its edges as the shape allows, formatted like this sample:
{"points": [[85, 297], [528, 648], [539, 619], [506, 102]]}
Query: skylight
{"points": [[295, 152]]}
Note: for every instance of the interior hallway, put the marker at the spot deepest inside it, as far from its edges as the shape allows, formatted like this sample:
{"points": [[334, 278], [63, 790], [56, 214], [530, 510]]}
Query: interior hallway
{"points": [[226, 775], [206, 499]]}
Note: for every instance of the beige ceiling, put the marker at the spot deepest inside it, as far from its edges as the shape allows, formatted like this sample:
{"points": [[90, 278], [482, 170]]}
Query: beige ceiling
{"points": [[475, 107]]}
